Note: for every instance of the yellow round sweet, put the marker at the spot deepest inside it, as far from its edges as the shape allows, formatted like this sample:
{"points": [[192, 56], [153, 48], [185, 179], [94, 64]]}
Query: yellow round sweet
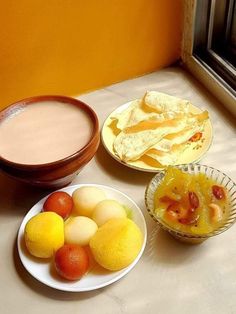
{"points": [[44, 234], [116, 244]]}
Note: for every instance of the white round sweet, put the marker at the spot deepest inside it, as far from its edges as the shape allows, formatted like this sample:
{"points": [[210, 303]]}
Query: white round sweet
{"points": [[106, 210], [86, 198], [79, 230]]}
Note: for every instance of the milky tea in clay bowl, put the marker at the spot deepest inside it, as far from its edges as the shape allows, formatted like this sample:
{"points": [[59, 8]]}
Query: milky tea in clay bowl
{"points": [[46, 140]]}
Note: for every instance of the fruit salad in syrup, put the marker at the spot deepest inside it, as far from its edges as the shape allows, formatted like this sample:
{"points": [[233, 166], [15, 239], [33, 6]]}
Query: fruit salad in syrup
{"points": [[191, 203]]}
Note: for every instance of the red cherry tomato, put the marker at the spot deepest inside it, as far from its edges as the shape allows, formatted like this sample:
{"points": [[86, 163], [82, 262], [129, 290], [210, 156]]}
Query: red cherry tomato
{"points": [[59, 202], [193, 200], [71, 261], [218, 192]]}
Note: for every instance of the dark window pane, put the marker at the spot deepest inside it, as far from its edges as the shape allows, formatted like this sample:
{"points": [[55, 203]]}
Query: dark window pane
{"points": [[215, 39], [233, 30]]}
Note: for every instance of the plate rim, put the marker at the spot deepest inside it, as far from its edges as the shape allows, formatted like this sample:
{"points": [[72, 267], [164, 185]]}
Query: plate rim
{"points": [[122, 273], [142, 169]]}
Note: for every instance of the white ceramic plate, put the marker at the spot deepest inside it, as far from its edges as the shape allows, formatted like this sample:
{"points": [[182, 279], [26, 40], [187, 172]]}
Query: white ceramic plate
{"points": [[97, 277], [192, 153]]}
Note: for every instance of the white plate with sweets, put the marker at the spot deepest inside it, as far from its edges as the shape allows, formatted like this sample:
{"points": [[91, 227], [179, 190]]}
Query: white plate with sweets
{"points": [[155, 131], [49, 269]]}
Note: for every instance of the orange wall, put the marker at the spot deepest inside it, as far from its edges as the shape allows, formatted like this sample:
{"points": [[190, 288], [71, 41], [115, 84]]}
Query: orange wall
{"points": [[72, 46]]}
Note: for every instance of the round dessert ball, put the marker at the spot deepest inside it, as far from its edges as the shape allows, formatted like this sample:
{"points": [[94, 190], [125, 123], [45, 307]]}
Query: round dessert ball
{"points": [[106, 210], [116, 244], [79, 230], [71, 261], [86, 198], [44, 234], [59, 202]]}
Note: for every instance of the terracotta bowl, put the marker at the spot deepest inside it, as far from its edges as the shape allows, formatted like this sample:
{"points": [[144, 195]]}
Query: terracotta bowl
{"points": [[58, 173]]}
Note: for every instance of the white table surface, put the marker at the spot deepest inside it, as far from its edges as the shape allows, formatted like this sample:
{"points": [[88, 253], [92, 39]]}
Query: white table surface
{"points": [[171, 277]]}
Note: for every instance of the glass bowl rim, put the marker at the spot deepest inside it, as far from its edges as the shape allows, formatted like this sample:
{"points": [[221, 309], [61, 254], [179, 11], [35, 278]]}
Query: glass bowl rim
{"points": [[182, 234]]}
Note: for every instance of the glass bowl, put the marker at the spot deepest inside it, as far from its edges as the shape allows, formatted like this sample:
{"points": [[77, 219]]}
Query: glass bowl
{"points": [[210, 172]]}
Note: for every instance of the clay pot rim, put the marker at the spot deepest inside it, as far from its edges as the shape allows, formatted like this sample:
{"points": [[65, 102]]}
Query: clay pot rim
{"points": [[66, 99]]}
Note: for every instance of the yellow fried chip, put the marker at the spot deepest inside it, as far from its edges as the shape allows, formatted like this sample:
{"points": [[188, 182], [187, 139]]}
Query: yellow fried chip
{"points": [[123, 117], [155, 128], [132, 145], [138, 111], [180, 137], [133, 142], [166, 158], [161, 102]]}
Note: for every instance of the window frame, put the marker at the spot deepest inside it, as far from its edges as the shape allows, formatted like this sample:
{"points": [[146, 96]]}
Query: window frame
{"points": [[198, 67], [211, 38]]}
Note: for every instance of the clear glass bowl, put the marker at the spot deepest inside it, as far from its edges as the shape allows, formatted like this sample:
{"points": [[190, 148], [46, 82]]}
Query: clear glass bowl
{"points": [[218, 176]]}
